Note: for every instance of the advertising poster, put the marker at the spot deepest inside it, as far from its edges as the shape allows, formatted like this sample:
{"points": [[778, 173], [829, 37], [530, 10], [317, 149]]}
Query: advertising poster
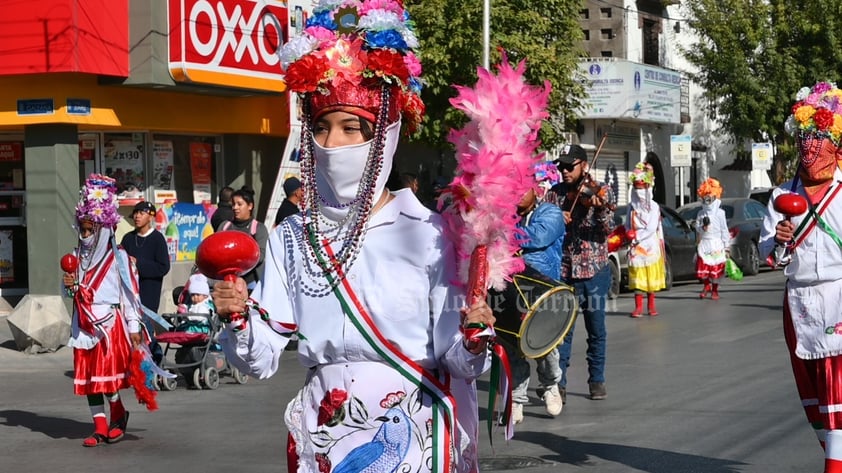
{"points": [[184, 226], [123, 161], [162, 164], [11, 151], [7, 259], [200, 166]]}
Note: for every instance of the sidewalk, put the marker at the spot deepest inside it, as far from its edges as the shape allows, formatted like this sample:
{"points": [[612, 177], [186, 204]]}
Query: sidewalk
{"points": [[14, 361]]}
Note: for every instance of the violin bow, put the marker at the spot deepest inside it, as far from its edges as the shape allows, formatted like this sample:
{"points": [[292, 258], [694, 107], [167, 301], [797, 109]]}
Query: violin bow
{"points": [[590, 167]]}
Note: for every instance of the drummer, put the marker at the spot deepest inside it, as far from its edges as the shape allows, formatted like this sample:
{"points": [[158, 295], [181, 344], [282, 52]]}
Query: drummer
{"points": [[543, 229]]}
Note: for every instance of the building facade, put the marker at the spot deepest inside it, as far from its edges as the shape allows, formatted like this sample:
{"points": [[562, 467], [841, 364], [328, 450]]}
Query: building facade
{"points": [[174, 99], [639, 94]]}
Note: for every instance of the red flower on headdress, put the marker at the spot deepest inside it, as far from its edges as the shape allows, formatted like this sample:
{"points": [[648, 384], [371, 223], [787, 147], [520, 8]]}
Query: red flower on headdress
{"points": [[823, 119], [305, 74], [346, 60], [413, 109], [385, 62]]}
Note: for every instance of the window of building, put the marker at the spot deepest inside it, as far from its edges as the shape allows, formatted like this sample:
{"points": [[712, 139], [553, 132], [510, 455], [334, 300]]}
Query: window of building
{"points": [[605, 13], [606, 34], [651, 33], [153, 166], [124, 159], [584, 13], [586, 34], [185, 164], [607, 54]]}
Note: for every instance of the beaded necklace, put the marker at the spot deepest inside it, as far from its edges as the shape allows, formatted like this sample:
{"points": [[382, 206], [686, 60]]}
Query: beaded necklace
{"points": [[351, 229]]}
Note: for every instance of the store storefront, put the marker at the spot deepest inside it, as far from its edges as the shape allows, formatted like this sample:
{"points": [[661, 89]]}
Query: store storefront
{"points": [[172, 116]]}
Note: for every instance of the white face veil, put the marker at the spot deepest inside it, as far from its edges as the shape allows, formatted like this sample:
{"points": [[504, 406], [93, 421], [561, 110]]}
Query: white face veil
{"points": [[92, 250], [339, 172]]}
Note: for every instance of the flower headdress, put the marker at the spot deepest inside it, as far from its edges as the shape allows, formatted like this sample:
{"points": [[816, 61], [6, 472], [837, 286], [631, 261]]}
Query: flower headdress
{"points": [[546, 172], [349, 51], [817, 111], [98, 201], [712, 187], [642, 172]]}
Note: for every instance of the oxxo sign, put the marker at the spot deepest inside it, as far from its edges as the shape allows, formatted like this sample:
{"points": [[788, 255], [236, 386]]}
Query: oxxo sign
{"points": [[232, 43]]}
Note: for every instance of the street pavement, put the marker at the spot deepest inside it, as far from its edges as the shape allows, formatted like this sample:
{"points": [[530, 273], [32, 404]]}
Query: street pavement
{"points": [[704, 387]]}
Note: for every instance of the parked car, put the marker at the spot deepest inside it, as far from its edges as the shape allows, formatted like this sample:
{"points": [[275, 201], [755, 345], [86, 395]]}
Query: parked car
{"points": [[745, 220], [679, 246], [761, 194]]}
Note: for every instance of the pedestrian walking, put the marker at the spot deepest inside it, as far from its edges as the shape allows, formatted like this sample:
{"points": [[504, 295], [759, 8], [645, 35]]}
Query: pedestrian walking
{"points": [[810, 250], [224, 210], [647, 272], [587, 206], [148, 247], [713, 239], [293, 196], [244, 221], [363, 276]]}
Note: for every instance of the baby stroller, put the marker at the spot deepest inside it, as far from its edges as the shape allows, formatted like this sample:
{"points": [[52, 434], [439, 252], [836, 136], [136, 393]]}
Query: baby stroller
{"points": [[198, 357]]}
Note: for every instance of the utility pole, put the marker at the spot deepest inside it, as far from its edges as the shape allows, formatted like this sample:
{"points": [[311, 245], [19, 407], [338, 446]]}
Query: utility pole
{"points": [[486, 32]]}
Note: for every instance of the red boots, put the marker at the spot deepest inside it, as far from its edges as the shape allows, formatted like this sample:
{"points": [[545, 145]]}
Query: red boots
{"points": [[705, 290], [638, 306], [713, 289], [651, 302]]}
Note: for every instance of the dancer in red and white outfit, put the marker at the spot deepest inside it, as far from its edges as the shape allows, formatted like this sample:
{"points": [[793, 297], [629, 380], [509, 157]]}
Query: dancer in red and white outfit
{"points": [[810, 248], [106, 317], [712, 249]]}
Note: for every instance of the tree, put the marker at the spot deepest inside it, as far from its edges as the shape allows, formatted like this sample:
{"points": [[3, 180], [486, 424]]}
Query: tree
{"points": [[752, 56], [545, 32]]}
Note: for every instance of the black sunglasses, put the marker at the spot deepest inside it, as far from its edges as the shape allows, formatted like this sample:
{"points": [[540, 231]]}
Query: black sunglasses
{"points": [[568, 167]]}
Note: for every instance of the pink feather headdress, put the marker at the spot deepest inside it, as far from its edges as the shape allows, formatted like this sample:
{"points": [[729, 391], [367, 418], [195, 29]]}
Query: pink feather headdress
{"points": [[495, 154]]}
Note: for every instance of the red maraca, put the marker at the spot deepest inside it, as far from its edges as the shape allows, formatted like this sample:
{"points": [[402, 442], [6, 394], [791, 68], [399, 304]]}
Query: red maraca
{"points": [[69, 263], [226, 255], [790, 204]]}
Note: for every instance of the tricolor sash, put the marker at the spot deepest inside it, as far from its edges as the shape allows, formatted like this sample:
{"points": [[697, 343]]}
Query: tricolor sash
{"points": [[436, 387], [84, 297]]}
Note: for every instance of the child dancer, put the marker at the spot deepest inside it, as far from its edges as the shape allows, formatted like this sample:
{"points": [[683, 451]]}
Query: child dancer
{"points": [[712, 230], [647, 273], [106, 316]]}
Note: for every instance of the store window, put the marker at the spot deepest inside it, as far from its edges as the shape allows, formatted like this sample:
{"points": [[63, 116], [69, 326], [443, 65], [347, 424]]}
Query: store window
{"points": [[123, 156], [184, 164]]}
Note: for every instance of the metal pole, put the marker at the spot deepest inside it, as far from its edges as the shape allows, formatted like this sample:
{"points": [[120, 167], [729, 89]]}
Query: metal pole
{"points": [[681, 187], [486, 32]]}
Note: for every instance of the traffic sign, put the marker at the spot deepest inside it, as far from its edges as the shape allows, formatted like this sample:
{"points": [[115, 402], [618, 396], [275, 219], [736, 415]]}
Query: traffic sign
{"points": [[761, 156], [681, 150]]}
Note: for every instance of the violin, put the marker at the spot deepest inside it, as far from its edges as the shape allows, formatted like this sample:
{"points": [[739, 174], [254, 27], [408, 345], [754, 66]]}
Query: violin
{"points": [[588, 192]]}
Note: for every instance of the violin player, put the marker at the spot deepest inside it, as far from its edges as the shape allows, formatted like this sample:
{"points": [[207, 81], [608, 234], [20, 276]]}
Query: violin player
{"points": [[588, 208]]}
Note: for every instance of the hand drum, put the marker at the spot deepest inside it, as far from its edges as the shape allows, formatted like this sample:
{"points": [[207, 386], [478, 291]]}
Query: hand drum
{"points": [[69, 263], [790, 204], [227, 254]]}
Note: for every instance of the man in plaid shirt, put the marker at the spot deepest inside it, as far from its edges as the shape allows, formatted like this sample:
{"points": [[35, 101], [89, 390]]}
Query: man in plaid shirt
{"points": [[584, 264]]}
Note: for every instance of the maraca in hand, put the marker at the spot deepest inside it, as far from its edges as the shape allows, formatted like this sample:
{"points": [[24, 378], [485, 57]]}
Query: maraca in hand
{"points": [[790, 205], [226, 255], [69, 263]]}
